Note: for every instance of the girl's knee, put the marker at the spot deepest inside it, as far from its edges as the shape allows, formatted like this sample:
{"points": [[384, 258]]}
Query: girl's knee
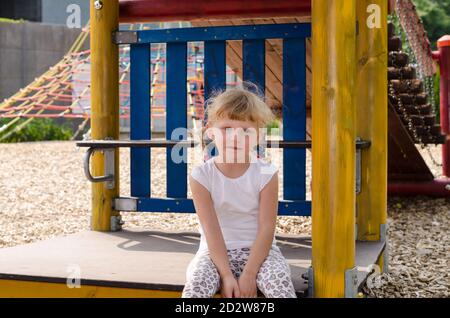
{"points": [[197, 288], [274, 278], [201, 285], [202, 281], [276, 284], [274, 262]]}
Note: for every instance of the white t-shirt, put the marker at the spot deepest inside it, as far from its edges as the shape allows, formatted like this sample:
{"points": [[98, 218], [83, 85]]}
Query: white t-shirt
{"points": [[236, 201]]}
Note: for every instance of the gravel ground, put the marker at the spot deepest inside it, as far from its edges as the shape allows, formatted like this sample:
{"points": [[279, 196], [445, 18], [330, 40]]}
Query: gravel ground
{"points": [[44, 193]]}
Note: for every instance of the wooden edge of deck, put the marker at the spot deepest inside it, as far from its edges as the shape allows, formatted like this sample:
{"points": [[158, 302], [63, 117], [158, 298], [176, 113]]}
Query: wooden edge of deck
{"points": [[18, 281]]}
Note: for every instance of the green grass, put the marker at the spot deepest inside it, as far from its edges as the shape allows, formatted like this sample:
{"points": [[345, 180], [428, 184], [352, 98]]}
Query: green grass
{"points": [[6, 20], [272, 126], [37, 130]]}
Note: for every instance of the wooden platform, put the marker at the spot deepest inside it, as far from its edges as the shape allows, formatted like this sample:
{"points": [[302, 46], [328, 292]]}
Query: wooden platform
{"points": [[129, 263]]}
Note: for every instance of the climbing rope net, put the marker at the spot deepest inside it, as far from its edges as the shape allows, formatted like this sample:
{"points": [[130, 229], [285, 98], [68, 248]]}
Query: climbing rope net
{"points": [[417, 45], [64, 90]]}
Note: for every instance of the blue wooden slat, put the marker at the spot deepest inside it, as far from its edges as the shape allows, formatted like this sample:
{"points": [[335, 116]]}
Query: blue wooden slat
{"points": [[254, 66], [215, 65], [298, 208], [253, 62], [285, 207], [294, 108], [140, 118], [215, 68], [176, 117], [294, 117], [223, 33], [165, 205]]}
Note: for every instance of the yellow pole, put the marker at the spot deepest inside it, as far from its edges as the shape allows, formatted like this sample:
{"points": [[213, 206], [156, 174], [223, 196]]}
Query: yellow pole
{"points": [[333, 150], [104, 17], [371, 101]]}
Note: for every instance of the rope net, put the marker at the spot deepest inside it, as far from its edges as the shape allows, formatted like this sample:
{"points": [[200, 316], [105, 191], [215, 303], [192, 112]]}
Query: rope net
{"points": [[416, 45], [64, 90]]}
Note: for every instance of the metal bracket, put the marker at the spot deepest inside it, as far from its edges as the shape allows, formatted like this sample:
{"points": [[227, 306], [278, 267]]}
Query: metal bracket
{"points": [[384, 238], [108, 178], [116, 223], [383, 232], [351, 283], [124, 37], [125, 204], [386, 258]]}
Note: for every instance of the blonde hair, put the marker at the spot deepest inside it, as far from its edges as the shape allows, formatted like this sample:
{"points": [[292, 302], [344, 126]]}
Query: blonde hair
{"points": [[245, 103]]}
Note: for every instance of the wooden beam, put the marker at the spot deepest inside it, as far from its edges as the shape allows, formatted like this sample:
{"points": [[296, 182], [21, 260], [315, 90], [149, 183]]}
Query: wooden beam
{"points": [[198, 10], [333, 153], [105, 105], [371, 123]]}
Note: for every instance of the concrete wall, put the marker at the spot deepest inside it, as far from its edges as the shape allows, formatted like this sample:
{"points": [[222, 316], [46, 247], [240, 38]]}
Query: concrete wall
{"points": [[28, 49]]}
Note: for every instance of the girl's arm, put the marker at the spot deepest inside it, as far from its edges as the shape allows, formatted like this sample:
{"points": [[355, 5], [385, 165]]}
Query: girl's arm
{"points": [[210, 224], [267, 219]]}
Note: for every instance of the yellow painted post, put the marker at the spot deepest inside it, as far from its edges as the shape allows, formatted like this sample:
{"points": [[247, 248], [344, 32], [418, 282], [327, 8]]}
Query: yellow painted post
{"points": [[372, 115], [104, 19], [333, 150]]}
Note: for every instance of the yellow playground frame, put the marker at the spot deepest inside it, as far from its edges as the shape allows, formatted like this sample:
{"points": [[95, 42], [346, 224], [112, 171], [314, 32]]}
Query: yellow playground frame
{"points": [[349, 102]]}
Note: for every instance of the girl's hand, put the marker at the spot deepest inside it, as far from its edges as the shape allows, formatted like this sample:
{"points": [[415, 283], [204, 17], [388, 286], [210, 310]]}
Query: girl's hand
{"points": [[247, 285], [230, 287]]}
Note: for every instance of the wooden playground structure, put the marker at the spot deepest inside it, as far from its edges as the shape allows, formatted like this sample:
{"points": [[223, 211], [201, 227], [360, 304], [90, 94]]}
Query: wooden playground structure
{"points": [[326, 66]]}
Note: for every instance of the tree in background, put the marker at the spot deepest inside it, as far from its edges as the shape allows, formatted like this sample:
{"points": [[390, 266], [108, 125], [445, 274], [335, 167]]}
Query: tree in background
{"points": [[435, 15]]}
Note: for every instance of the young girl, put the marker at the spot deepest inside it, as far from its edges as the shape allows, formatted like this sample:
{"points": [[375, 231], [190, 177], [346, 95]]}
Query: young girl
{"points": [[236, 199]]}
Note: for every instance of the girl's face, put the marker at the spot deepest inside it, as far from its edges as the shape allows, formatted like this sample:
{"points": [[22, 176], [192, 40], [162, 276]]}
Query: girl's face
{"points": [[234, 139]]}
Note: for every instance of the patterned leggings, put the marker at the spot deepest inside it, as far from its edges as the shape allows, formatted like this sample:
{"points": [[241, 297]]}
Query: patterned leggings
{"points": [[273, 278]]}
